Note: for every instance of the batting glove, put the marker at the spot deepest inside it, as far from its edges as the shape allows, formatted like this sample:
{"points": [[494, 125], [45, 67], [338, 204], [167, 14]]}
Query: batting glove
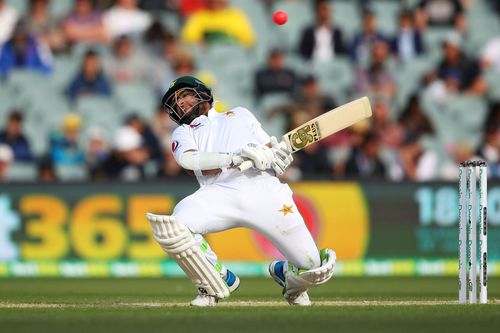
{"points": [[282, 157], [261, 155]]}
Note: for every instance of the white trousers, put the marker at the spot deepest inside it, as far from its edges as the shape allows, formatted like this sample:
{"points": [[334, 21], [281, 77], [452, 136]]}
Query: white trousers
{"points": [[262, 204]]}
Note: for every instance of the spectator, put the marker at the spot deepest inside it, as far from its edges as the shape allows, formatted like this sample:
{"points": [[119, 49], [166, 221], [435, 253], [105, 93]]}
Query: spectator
{"points": [[376, 80], [6, 158], [310, 97], [390, 132], [148, 138], [84, 24], [8, 19], [169, 167], [408, 42], [364, 161], [439, 13], [489, 151], [91, 79], [46, 170], [64, 144], [310, 162], [188, 7], [183, 64], [97, 150], [171, 52], [275, 77], [127, 63], [363, 41], [154, 38], [392, 136], [24, 51], [414, 120], [126, 161], [493, 117], [162, 126], [126, 19], [456, 73], [459, 152], [45, 27], [419, 163], [160, 5], [323, 40], [490, 55], [218, 23], [13, 136]]}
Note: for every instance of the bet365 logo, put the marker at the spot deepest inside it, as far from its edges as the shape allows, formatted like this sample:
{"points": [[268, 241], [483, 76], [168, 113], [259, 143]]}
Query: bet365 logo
{"points": [[305, 135]]}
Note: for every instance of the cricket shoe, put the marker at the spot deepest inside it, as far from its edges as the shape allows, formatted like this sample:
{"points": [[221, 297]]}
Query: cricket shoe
{"points": [[203, 300], [277, 270], [232, 281]]}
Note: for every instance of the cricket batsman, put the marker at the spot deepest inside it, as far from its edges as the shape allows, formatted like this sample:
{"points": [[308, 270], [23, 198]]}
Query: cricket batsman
{"points": [[211, 145]]}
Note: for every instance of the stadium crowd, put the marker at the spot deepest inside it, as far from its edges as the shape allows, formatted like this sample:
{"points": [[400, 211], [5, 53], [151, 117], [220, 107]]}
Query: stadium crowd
{"points": [[437, 53]]}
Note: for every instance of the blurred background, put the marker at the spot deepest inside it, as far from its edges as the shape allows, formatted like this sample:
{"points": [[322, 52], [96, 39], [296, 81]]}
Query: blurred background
{"points": [[85, 145]]}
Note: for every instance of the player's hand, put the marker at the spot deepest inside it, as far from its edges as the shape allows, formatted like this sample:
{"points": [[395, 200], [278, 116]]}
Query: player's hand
{"points": [[261, 155], [283, 157], [236, 160]]}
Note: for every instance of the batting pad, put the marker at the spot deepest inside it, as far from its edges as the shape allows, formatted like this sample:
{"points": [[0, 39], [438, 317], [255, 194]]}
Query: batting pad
{"points": [[176, 239], [299, 280]]}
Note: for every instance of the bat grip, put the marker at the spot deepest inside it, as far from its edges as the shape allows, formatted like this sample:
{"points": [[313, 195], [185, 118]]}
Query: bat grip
{"points": [[245, 165]]}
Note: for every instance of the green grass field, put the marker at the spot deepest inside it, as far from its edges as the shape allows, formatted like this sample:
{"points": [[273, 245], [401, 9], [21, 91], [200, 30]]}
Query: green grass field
{"points": [[374, 304]]}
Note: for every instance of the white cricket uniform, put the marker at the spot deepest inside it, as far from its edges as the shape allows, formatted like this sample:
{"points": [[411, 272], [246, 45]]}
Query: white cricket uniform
{"points": [[231, 199]]}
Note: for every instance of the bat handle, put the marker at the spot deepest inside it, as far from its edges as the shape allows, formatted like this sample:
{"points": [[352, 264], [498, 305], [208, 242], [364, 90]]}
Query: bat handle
{"points": [[249, 164], [245, 165]]}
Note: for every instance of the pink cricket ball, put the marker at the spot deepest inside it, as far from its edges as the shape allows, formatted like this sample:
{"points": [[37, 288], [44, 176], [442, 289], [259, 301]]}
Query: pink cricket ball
{"points": [[280, 17]]}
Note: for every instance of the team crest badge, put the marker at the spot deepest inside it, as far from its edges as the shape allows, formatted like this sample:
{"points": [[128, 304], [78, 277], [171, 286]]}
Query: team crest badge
{"points": [[175, 145]]}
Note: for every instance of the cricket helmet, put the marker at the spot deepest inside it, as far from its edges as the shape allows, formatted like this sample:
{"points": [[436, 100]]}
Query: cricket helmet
{"points": [[174, 100]]}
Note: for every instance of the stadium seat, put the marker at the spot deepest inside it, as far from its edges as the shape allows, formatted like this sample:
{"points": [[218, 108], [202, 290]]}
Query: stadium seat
{"points": [[459, 120], [23, 84], [135, 97], [71, 172], [20, 6], [265, 31], [60, 8], [22, 172], [171, 22], [409, 76], [387, 16], [346, 15], [275, 126], [7, 103], [38, 137], [65, 69], [98, 111], [269, 101], [493, 79], [335, 77], [434, 37]]}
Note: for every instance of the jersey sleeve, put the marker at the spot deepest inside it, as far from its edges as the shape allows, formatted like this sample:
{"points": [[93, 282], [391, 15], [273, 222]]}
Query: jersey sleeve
{"points": [[182, 141]]}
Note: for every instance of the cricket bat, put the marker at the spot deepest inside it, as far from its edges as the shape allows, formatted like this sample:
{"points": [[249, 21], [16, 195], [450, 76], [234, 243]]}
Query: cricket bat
{"points": [[323, 126]]}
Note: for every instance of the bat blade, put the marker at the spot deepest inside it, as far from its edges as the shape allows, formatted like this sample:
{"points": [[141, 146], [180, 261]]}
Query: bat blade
{"points": [[327, 124]]}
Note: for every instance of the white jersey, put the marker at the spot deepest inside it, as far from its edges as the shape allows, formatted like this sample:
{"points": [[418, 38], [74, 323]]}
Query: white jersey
{"points": [[220, 133]]}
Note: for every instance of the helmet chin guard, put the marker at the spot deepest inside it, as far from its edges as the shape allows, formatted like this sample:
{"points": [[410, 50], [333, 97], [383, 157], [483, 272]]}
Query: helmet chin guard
{"points": [[184, 99]]}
